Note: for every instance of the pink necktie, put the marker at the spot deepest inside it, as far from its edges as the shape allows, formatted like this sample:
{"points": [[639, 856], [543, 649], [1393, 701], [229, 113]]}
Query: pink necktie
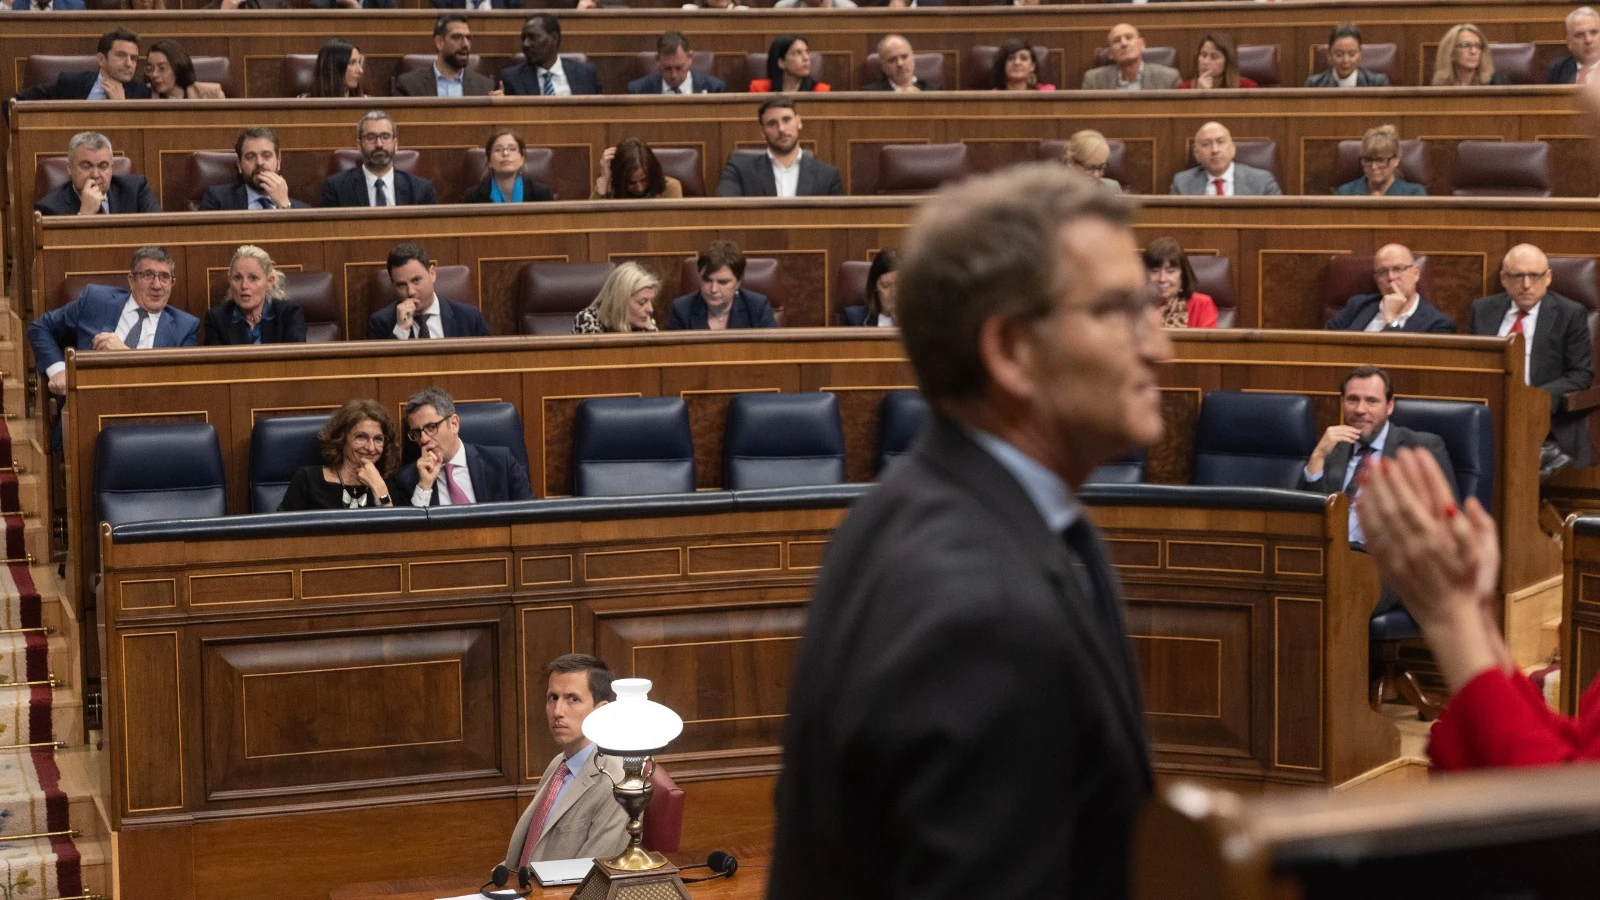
{"points": [[458, 497], [1217, 183], [542, 812]]}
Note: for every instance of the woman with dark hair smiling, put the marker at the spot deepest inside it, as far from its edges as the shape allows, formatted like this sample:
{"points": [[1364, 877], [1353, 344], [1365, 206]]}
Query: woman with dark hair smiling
{"points": [[505, 154], [359, 450], [170, 72], [1172, 286], [1015, 69], [788, 68], [338, 71], [630, 171]]}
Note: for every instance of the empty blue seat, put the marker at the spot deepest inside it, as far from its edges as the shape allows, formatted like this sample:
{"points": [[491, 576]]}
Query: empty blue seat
{"points": [[903, 414], [168, 471], [1251, 439], [783, 440], [1125, 469], [1468, 433], [280, 447], [626, 446]]}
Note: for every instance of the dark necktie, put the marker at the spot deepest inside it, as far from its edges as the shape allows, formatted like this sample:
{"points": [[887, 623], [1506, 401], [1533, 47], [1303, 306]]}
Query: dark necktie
{"points": [[137, 331], [1094, 574], [419, 328], [1363, 453], [383, 196], [266, 202]]}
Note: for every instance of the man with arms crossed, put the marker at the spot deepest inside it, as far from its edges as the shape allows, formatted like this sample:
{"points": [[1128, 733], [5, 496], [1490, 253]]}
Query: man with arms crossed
{"points": [[965, 719]]}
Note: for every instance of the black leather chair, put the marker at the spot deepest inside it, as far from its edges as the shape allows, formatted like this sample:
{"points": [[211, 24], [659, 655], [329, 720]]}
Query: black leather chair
{"points": [[850, 291], [313, 293], [551, 294], [1126, 469], [1251, 439], [783, 440], [171, 470], [494, 423], [279, 447], [903, 414], [630, 446]]}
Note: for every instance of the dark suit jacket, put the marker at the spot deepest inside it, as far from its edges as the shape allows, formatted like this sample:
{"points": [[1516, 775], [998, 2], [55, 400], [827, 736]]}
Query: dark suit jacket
{"points": [[234, 196], [349, 188], [1360, 310], [1338, 461], [458, 319], [128, 194], [57, 6], [524, 79], [462, 4], [882, 84], [423, 83], [287, 325], [749, 310], [1364, 78], [96, 311], [496, 477], [1562, 361], [531, 191], [1562, 71], [750, 175], [77, 85], [947, 632], [700, 84]]}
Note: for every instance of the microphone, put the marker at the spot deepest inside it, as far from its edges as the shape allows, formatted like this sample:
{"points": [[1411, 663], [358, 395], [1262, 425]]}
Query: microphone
{"points": [[721, 864]]}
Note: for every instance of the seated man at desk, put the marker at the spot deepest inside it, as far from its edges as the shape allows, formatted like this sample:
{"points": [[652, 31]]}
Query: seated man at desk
{"points": [[116, 78], [261, 184], [376, 182], [419, 312], [450, 471], [91, 189], [1396, 306], [574, 815]]}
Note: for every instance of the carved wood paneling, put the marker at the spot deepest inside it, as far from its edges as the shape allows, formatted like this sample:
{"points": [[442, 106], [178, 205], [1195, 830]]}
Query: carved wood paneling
{"points": [[543, 633], [1195, 664], [150, 718], [1297, 674]]}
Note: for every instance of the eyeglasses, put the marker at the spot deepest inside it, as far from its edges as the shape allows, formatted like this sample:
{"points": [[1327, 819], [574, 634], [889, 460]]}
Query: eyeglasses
{"points": [[1529, 277], [153, 275], [1092, 170], [1393, 271], [1377, 160], [1468, 45], [430, 429], [373, 137]]}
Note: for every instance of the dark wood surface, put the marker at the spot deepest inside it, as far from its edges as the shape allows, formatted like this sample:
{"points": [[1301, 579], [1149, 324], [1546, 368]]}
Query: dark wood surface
{"points": [[749, 883], [1580, 615]]}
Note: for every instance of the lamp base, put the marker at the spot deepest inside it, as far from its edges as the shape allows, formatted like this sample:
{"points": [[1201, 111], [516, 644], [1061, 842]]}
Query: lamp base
{"points": [[606, 883]]}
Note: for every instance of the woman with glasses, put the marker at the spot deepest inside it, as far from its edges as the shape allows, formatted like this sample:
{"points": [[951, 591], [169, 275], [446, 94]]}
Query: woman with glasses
{"points": [[1463, 59], [1088, 151], [1172, 282], [360, 449], [1380, 167], [255, 311]]}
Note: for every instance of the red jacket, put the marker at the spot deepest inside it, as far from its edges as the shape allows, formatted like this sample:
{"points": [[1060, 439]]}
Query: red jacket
{"points": [[1501, 720]]}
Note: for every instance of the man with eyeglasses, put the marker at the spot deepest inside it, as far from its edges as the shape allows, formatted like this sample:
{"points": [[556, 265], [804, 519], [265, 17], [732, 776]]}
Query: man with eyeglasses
{"points": [[1396, 306], [111, 318], [1557, 356], [418, 312], [91, 189], [376, 182], [451, 472]]}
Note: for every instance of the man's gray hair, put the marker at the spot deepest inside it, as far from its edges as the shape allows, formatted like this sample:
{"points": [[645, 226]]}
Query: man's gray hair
{"points": [[434, 397], [159, 254], [376, 114], [91, 141], [1581, 12]]}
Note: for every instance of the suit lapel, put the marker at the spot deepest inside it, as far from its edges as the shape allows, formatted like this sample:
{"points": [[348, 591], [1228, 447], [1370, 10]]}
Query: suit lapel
{"points": [[766, 183], [1546, 335], [478, 472], [577, 783], [1334, 467]]}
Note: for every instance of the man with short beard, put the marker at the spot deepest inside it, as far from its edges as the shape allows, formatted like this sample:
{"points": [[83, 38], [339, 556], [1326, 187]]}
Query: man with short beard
{"points": [[784, 170], [376, 182], [261, 184], [450, 75]]}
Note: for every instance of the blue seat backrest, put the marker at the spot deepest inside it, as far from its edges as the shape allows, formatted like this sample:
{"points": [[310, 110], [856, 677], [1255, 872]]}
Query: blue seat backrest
{"points": [[1468, 433], [852, 315], [625, 446], [167, 471], [1125, 469], [492, 422], [903, 415], [783, 440], [1251, 439], [280, 447]]}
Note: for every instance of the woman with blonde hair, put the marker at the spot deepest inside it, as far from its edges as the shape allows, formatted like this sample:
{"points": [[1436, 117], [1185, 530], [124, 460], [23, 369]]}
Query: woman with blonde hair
{"points": [[1463, 59], [626, 302], [255, 311], [1380, 167], [1087, 152]]}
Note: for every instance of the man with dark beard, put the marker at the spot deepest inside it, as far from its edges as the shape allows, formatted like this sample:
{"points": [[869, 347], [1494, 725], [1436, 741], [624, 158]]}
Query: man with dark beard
{"points": [[261, 184], [784, 170], [376, 182], [450, 75]]}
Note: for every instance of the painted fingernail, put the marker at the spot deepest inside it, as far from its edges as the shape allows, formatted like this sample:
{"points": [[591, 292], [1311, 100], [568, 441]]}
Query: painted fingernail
{"points": [[1450, 511]]}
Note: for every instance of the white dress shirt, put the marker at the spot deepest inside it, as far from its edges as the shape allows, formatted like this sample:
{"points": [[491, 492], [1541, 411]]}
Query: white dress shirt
{"points": [[388, 186], [1227, 182], [558, 79], [434, 321], [885, 320], [787, 178], [1528, 326], [423, 496], [686, 88], [1377, 324], [1348, 82]]}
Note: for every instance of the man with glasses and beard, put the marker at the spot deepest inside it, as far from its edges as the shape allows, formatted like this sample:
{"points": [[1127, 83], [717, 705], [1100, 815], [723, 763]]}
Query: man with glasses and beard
{"points": [[451, 472], [450, 75], [376, 182], [261, 184]]}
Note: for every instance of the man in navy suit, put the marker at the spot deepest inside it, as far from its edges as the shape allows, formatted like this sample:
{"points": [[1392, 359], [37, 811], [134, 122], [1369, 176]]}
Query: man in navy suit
{"points": [[376, 182], [420, 313], [261, 184], [118, 56], [91, 189], [1583, 42], [785, 170], [544, 72], [672, 74], [48, 5], [451, 472], [108, 318], [1396, 306]]}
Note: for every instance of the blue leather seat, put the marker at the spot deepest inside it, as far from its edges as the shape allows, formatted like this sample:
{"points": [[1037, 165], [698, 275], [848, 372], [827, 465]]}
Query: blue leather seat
{"points": [[167, 471], [1468, 433], [280, 447], [852, 315], [628, 446], [1125, 469], [495, 423], [783, 440], [903, 414], [1250, 439]]}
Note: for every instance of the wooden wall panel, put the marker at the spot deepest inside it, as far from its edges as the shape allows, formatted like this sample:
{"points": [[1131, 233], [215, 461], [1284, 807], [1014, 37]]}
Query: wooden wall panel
{"points": [[152, 748], [543, 633]]}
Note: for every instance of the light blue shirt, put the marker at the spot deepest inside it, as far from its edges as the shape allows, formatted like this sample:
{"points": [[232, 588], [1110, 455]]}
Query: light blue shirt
{"points": [[98, 92], [446, 86], [1357, 536], [575, 764], [1050, 495], [254, 197]]}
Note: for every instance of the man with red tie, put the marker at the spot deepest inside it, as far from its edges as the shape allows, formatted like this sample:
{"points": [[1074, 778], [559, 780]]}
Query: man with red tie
{"points": [[1217, 174], [450, 471], [1558, 357], [574, 815]]}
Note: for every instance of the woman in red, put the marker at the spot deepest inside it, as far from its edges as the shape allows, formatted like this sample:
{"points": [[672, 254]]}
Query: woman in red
{"points": [[788, 68], [1172, 281], [1445, 561]]}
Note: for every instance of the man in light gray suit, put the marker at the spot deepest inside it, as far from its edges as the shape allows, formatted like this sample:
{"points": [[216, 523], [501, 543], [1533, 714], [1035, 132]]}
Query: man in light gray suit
{"points": [[1128, 70], [784, 170], [574, 815], [1217, 174]]}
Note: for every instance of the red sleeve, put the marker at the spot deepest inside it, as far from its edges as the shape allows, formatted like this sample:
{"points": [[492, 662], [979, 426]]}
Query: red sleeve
{"points": [[1186, 84], [821, 88], [1247, 82], [1202, 311], [1501, 720]]}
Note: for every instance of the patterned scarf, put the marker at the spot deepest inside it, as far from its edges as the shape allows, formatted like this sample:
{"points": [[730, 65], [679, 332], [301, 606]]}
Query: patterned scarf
{"points": [[1176, 314]]}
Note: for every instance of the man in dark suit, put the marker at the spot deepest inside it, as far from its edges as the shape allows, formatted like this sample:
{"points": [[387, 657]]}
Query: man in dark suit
{"points": [[1366, 435], [1396, 306], [673, 74], [543, 71], [91, 189], [376, 182], [899, 64], [451, 472], [1558, 357], [450, 75], [108, 318], [118, 56], [420, 313], [784, 170], [48, 5], [261, 184], [477, 4], [1583, 44], [967, 610]]}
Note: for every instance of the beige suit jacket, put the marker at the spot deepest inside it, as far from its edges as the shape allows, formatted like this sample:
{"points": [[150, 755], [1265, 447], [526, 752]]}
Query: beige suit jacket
{"points": [[586, 822], [1156, 78]]}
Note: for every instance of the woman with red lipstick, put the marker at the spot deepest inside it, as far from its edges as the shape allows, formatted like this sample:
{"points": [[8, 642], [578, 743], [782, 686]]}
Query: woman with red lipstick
{"points": [[360, 449]]}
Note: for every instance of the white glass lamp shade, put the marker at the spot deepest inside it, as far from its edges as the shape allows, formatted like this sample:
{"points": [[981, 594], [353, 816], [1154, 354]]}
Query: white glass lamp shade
{"points": [[633, 724]]}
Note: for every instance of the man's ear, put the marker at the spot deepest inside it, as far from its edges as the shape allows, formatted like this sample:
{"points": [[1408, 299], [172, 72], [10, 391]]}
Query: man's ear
{"points": [[1008, 353]]}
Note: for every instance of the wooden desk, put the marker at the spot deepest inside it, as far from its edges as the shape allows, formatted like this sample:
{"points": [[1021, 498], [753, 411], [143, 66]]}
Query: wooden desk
{"points": [[749, 883], [1580, 608]]}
